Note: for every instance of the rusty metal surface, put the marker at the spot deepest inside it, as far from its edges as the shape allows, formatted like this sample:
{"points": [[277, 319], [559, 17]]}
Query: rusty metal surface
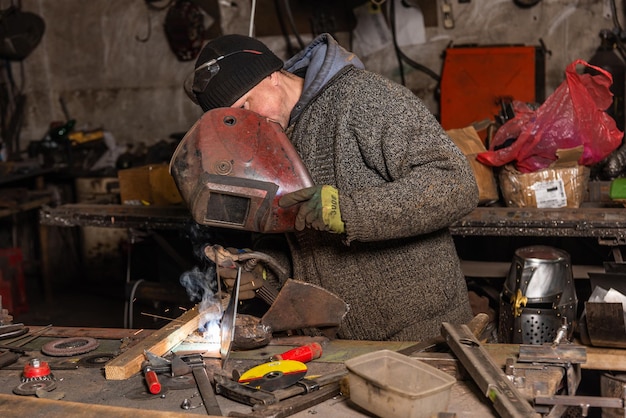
{"points": [[116, 216], [564, 222], [608, 222], [302, 305]]}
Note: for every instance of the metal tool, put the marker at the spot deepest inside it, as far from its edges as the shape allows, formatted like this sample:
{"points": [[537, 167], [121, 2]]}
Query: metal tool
{"points": [[228, 321], [490, 379], [253, 397], [304, 353], [152, 380], [292, 405]]}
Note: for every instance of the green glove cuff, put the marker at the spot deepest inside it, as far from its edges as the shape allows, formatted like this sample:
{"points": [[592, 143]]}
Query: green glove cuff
{"points": [[330, 209]]}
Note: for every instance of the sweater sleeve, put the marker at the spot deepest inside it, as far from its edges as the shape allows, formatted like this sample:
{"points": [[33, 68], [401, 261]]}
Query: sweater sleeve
{"points": [[426, 182]]}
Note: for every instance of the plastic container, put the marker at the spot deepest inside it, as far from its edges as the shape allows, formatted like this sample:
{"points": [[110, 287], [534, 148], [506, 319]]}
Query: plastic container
{"points": [[392, 385]]}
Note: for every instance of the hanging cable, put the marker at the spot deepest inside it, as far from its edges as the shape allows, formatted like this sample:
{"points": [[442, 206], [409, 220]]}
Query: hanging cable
{"points": [[401, 56], [292, 22], [281, 22], [252, 13]]}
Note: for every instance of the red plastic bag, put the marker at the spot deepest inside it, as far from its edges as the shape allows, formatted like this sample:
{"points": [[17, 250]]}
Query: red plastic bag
{"points": [[571, 116]]}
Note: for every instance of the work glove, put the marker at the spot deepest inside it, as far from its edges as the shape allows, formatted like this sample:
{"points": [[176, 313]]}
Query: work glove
{"points": [[319, 209], [252, 272]]}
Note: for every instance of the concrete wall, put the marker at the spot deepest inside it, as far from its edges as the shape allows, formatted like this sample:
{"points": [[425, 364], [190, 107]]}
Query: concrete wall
{"points": [[91, 57]]}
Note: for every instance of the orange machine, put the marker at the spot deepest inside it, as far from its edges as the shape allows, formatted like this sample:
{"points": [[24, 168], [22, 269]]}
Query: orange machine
{"points": [[476, 81]]}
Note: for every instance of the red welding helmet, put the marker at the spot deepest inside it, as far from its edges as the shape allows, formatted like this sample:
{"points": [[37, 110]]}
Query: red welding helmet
{"points": [[233, 166]]}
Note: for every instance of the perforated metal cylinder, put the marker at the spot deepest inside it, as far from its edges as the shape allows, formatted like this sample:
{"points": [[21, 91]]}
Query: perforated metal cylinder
{"points": [[537, 297]]}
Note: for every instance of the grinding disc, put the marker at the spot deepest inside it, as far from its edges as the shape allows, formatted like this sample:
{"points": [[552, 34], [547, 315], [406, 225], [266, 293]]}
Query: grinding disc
{"points": [[96, 360], [70, 346], [274, 375], [32, 386]]}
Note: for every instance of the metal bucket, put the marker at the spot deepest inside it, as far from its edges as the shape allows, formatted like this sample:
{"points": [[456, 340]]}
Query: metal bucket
{"points": [[538, 296]]}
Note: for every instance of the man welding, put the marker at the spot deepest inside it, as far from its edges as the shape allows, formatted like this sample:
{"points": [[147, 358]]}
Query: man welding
{"points": [[371, 223]]}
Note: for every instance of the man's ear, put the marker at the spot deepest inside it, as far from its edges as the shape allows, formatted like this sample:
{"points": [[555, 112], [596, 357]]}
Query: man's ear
{"points": [[274, 78]]}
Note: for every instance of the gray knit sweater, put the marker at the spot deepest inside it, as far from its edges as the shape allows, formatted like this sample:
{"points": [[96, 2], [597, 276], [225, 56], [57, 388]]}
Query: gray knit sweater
{"points": [[401, 183]]}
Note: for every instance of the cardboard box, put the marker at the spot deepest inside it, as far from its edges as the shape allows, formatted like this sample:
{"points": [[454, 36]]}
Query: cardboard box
{"points": [[564, 184], [148, 185], [469, 142]]}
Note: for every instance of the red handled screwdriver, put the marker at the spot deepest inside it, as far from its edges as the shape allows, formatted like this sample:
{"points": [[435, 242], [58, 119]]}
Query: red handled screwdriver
{"points": [[302, 354]]}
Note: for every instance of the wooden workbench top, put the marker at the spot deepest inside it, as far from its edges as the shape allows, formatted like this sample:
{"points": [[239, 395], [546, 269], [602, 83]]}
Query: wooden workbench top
{"points": [[87, 393]]}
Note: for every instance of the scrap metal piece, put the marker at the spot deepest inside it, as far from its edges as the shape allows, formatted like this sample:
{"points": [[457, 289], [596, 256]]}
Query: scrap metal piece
{"points": [[584, 402], [70, 346], [489, 378], [206, 391], [301, 305]]}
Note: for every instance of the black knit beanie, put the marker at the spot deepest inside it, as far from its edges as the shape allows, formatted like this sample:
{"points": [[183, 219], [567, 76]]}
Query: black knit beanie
{"points": [[238, 73]]}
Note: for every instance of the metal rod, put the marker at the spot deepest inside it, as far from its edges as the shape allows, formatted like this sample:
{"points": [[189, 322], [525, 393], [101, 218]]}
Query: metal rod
{"points": [[492, 381], [206, 391]]}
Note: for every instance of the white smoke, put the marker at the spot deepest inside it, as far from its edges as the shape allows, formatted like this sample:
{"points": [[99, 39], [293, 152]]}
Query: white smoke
{"points": [[198, 287]]}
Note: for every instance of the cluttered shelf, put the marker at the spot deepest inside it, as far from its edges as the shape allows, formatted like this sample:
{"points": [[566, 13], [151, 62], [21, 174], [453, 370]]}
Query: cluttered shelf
{"points": [[599, 222]]}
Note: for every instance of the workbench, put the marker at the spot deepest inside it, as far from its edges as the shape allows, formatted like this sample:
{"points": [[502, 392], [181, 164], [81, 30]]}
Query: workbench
{"points": [[598, 222], [87, 393]]}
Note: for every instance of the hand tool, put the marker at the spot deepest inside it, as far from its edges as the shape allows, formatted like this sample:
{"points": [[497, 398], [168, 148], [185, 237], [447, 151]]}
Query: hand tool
{"points": [[150, 375], [174, 365], [489, 378], [155, 364], [227, 325], [304, 353], [251, 396], [152, 380], [292, 405]]}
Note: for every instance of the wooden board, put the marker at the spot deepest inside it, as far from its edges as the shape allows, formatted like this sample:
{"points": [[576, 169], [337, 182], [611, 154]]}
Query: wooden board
{"points": [[30, 406], [159, 342]]}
